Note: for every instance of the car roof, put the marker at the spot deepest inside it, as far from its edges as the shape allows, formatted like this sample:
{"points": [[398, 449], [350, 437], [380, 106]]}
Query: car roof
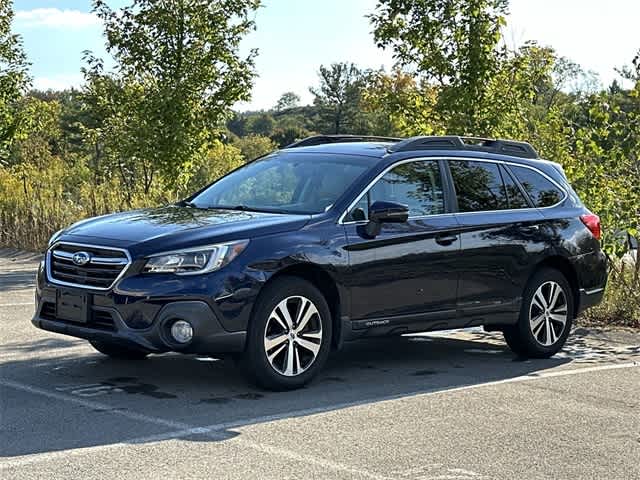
{"points": [[382, 150], [369, 149]]}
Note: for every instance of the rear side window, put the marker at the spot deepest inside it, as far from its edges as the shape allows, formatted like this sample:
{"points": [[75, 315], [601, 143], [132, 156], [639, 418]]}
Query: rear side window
{"points": [[478, 186], [416, 184], [543, 192]]}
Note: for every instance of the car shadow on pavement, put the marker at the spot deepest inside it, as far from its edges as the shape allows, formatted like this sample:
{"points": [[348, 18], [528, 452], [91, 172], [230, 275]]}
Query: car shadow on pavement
{"points": [[17, 279], [191, 391]]}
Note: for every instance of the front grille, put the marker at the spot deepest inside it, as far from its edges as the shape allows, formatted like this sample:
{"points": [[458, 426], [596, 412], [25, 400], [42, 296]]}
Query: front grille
{"points": [[98, 319], [102, 269]]}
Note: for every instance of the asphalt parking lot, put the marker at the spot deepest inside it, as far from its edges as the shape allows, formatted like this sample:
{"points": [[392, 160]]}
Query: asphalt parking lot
{"points": [[458, 405]]}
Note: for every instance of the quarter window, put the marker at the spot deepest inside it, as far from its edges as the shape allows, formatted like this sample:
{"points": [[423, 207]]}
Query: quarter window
{"points": [[543, 193], [416, 184], [514, 194], [478, 186]]}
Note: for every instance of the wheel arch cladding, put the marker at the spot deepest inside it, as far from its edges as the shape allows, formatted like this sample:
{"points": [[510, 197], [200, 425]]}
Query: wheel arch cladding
{"points": [[564, 266]]}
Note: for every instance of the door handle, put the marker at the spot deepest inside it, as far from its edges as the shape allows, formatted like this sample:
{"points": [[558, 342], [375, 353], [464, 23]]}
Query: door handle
{"points": [[446, 239]]}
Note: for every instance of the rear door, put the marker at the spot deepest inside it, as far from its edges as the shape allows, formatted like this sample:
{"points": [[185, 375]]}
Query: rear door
{"points": [[499, 233], [409, 268]]}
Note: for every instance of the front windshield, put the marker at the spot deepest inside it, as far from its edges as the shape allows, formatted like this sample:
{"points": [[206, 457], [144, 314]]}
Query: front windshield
{"points": [[285, 182]]}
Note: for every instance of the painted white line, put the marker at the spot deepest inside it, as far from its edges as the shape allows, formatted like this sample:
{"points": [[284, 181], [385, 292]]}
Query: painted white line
{"points": [[416, 394], [22, 304], [47, 456], [309, 459], [217, 430], [94, 405]]}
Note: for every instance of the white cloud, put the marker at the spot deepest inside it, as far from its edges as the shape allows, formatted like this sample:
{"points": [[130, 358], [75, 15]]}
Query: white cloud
{"points": [[57, 82], [55, 18]]}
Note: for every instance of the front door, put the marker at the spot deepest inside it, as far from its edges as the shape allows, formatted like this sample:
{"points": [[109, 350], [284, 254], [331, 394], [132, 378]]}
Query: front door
{"points": [[408, 270]]}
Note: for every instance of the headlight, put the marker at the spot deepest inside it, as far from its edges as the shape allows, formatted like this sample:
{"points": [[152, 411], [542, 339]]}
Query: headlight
{"points": [[54, 237], [193, 261]]}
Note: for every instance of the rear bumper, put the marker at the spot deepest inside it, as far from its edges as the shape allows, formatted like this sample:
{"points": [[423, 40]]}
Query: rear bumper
{"points": [[589, 298], [592, 271]]}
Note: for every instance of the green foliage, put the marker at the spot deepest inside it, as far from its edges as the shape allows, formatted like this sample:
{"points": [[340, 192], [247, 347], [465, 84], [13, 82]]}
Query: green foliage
{"points": [[621, 303], [401, 105], [219, 160], [178, 73], [262, 124], [452, 44], [338, 96], [286, 101], [13, 80], [253, 146]]}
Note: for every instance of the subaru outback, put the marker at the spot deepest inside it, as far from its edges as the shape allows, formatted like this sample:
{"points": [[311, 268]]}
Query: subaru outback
{"points": [[332, 239]]}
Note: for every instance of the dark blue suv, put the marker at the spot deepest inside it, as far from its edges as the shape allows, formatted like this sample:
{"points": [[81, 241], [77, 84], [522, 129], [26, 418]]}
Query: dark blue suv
{"points": [[331, 239]]}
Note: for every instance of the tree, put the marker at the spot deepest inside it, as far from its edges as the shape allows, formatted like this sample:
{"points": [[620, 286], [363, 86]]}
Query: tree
{"points": [[401, 105], [261, 124], [178, 72], [450, 43], [253, 146], [13, 79], [338, 96], [287, 100]]}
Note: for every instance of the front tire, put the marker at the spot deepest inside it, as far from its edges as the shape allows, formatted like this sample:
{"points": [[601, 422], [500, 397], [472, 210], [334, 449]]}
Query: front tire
{"points": [[289, 336], [545, 318], [117, 351]]}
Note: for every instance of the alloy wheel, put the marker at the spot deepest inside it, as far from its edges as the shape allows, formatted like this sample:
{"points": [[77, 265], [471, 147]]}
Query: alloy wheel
{"points": [[548, 313], [293, 336]]}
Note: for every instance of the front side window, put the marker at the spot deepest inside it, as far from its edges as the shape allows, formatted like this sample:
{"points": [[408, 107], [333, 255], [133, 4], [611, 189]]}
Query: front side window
{"points": [[416, 184], [478, 185], [285, 183], [543, 192]]}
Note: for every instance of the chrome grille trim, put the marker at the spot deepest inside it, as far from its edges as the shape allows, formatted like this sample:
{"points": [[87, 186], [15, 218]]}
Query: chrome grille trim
{"points": [[104, 261], [94, 260]]}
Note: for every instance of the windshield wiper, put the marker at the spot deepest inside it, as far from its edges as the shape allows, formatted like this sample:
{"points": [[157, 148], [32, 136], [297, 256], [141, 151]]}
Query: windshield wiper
{"points": [[246, 208]]}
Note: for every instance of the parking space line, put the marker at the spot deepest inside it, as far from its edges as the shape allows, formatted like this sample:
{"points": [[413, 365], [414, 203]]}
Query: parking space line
{"points": [[22, 304], [309, 459], [47, 456], [415, 394], [94, 405], [217, 430]]}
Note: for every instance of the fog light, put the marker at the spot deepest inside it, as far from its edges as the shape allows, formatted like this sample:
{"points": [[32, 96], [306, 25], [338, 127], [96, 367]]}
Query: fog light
{"points": [[182, 331]]}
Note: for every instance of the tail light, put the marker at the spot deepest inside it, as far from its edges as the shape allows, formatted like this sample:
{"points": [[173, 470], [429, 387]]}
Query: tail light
{"points": [[592, 222]]}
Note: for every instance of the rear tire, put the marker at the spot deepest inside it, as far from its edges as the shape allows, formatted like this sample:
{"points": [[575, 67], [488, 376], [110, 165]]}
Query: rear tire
{"points": [[117, 351], [545, 317], [289, 336]]}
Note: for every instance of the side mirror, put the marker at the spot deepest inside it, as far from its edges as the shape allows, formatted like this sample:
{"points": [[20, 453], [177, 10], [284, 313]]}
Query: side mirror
{"points": [[385, 212]]}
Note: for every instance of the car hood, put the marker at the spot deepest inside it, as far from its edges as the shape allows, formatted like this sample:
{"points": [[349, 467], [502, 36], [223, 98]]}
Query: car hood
{"points": [[176, 227]]}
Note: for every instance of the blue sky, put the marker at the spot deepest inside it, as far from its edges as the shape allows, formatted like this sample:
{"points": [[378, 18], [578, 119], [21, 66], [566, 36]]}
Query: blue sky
{"points": [[295, 36]]}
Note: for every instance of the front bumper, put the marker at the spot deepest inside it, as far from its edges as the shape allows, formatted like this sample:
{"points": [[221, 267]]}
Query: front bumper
{"points": [[217, 309], [108, 326]]}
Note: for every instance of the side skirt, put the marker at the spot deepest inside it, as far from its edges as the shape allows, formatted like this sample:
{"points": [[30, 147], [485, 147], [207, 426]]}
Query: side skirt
{"points": [[489, 315]]}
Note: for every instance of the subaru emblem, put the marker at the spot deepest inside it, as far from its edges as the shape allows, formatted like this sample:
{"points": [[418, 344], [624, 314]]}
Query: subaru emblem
{"points": [[81, 258]]}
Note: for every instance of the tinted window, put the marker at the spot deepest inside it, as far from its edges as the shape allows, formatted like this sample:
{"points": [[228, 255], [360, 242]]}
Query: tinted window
{"points": [[416, 184], [514, 194], [542, 192], [478, 185], [286, 182]]}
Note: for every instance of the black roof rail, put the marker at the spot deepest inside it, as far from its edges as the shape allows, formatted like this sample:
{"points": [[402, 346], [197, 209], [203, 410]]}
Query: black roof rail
{"points": [[451, 142], [323, 139]]}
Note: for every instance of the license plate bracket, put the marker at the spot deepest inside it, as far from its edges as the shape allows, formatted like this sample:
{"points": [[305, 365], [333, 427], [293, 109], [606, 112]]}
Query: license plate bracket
{"points": [[72, 306]]}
